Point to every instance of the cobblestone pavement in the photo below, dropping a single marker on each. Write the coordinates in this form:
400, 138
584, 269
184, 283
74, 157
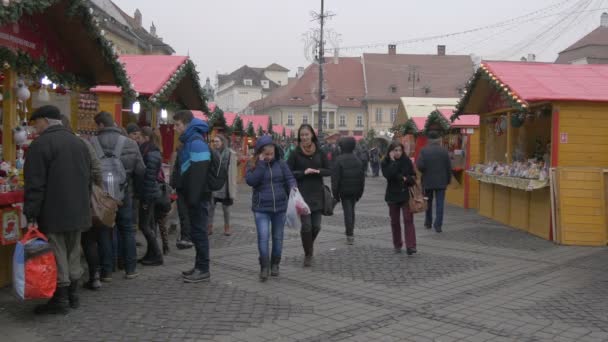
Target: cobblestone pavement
477, 281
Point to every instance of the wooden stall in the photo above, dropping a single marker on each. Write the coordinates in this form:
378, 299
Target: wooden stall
543, 148
49, 51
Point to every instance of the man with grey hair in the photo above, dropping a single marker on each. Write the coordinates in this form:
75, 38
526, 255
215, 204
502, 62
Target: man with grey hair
435, 166
57, 175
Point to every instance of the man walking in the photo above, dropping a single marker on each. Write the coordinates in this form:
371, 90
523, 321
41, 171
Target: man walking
194, 159
434, 164
57, 196
114, 143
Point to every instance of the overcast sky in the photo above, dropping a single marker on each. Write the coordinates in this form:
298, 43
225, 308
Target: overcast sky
223, 35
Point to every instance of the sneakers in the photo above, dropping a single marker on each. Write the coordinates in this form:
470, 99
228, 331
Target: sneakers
188, 272
147, 262
183, 244
197, 277
131, 275
106, 277
411, 251
350, 240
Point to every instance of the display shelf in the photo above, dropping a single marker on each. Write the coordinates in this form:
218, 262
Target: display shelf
510, 182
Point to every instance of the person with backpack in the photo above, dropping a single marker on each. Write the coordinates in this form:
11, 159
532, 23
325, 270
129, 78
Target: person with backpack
272, 182
348, 183
149, 193
121, 163
194, 178
57, 175
227, 194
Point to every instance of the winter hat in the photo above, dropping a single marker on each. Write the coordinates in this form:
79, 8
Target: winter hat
263, 142
132, 128
46, 112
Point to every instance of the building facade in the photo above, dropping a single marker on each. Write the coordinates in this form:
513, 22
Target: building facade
591, 49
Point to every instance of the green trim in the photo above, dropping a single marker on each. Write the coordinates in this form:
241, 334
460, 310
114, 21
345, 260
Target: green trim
187, 68
436, 118
409, 127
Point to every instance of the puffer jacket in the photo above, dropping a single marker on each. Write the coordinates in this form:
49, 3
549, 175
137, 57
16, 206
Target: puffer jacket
311, 186
148, 186
194, 160
397, 189
271, 182
348, 177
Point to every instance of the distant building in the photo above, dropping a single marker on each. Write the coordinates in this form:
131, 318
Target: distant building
126, 32
591, 49
391, 76
209, 90
236, 90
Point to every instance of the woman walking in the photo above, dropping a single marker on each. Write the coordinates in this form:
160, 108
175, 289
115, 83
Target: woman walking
271, 181
227, 193
309, 165
399, 172
149, 195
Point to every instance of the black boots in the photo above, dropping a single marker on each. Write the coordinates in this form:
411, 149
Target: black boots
58, 305
264, 269
307, 240
73, 295
274, 266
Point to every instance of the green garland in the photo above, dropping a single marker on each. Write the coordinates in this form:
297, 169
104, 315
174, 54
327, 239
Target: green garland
77, 9
168, 105
436, 118
409, 127
250, 130
217, 118
188, 68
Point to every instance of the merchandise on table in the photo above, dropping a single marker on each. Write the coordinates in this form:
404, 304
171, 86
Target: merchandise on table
532, 169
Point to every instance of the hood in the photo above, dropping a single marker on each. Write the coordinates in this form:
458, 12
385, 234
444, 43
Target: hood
196, 127
263, 141
347, 144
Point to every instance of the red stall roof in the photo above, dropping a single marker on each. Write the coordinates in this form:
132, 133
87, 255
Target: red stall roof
535, 82
469, 120
420, 122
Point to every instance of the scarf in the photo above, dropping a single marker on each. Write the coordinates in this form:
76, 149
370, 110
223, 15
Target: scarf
310, 150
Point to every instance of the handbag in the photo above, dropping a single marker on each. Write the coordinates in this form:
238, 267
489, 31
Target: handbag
104, 208
418, 203
329, 203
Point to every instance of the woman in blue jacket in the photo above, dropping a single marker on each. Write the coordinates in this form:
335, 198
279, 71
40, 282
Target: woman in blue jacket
271, 181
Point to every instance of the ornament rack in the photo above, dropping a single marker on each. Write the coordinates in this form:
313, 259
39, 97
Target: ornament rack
88, 107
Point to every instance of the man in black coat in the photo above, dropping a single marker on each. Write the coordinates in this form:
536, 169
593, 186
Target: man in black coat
348, 183
434, 164
57, 196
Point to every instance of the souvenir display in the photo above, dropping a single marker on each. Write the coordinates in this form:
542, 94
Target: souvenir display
531, 169
88, 107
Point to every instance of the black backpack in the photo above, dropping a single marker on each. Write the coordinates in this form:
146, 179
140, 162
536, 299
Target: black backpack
218, 171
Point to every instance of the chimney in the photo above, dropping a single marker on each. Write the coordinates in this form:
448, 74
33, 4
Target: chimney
153, 30
300, 72
336, 56
604, 20
531, 57
137, 17
440, 50
392, 49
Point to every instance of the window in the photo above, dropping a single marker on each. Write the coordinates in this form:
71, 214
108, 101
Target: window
393, 89
393, 114
305, 119
359, 120
378, 114
265, 84
342, 120
248, 82
289, 119
324, 118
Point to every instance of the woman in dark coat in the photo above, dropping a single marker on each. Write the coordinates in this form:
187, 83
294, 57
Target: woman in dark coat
149, 194
309, 165
399, 172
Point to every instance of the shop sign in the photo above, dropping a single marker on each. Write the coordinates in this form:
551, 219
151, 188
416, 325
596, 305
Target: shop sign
563, 138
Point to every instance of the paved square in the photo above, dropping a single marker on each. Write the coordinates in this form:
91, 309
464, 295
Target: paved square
477, 281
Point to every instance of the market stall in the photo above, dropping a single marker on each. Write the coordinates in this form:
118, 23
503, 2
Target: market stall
49, 51
543, 148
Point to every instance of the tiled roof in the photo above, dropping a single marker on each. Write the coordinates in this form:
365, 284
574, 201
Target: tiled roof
276, 67
599, 36
593, 46
256, 75
440, 76
343, 83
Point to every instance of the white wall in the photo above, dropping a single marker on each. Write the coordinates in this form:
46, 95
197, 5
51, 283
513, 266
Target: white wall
236, 99
278, 77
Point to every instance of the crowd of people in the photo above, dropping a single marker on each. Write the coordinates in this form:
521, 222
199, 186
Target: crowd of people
61, 170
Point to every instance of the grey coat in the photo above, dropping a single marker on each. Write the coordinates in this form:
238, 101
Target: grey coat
131, 156
434, 164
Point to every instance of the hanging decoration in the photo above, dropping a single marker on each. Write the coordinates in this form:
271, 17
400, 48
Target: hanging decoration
518, 119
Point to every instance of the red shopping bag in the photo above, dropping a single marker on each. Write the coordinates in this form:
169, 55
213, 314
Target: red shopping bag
34, 266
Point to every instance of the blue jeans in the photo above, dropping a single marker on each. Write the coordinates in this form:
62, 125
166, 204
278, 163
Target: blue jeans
263, 223
198, 216
126, 230
440, 197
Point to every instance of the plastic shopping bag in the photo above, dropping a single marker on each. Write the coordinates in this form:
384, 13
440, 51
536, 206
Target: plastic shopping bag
296, 207
34, 266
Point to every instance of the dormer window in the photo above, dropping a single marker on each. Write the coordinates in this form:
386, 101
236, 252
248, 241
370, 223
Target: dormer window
296, 98
393, 89
265, 84
351, 99
248, 82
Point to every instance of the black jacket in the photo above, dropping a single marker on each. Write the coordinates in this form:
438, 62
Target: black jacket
57, 174
435, 166
347, 177
149, 188
396, 187
311, 186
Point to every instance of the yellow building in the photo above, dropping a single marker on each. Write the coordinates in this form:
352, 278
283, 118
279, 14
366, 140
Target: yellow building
544, 144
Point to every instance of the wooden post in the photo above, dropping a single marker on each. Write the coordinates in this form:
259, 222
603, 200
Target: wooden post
9, 116
509, 139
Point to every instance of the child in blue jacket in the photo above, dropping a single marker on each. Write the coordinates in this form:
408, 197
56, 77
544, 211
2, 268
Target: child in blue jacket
272, 182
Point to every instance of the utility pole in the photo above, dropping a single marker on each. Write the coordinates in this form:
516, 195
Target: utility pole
321, 61
413, 76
